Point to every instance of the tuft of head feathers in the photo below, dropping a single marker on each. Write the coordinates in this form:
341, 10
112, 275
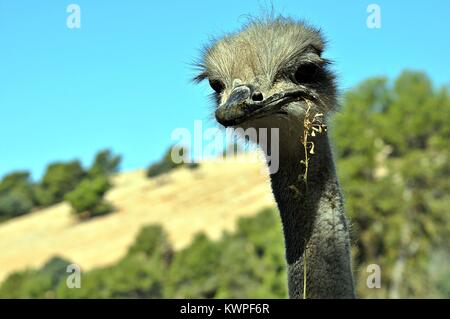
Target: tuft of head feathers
262, 47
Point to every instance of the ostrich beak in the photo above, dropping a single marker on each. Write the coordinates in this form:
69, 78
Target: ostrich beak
234, 108
240, 108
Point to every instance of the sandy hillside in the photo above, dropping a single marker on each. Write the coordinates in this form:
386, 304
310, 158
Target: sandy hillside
207, 199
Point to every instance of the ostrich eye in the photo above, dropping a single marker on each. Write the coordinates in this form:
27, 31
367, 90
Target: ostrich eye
217, 85
306, 73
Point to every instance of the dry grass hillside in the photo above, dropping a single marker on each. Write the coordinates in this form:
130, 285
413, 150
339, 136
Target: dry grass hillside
207, 199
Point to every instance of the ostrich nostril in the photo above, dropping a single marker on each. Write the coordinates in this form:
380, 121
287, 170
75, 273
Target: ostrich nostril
257, 96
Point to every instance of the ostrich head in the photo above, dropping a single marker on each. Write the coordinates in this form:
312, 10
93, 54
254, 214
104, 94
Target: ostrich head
264, 75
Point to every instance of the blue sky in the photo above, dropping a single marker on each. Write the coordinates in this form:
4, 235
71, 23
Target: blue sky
122, 81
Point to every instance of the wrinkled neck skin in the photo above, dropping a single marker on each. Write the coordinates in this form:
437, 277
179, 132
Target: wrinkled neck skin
313, 220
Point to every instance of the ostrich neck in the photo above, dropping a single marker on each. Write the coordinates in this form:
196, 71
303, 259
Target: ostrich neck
314, 224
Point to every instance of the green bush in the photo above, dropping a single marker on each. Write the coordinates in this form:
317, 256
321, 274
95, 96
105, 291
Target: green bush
43, 197
36, 283
87, 198
142, 273
105, 164
246, 264
151, 241
268, 247
14, 204
18, 182
392, 151
60, 179
22, 284
132, 277
17, 196
195, 269
240, 265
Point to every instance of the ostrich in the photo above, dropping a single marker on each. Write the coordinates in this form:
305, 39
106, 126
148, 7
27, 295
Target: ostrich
267, 76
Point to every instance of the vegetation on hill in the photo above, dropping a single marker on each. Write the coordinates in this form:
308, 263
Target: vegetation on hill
87, 197
59, 179
392, 146
17, 195
105, 164
246, 263
84, 189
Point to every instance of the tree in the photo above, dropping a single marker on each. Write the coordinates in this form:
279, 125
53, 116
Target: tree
87, 198
40, 283
14, 204
17, 195
193, 273
59, 179
246, 264
152, 240
105, 164
17, 181
392, 148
